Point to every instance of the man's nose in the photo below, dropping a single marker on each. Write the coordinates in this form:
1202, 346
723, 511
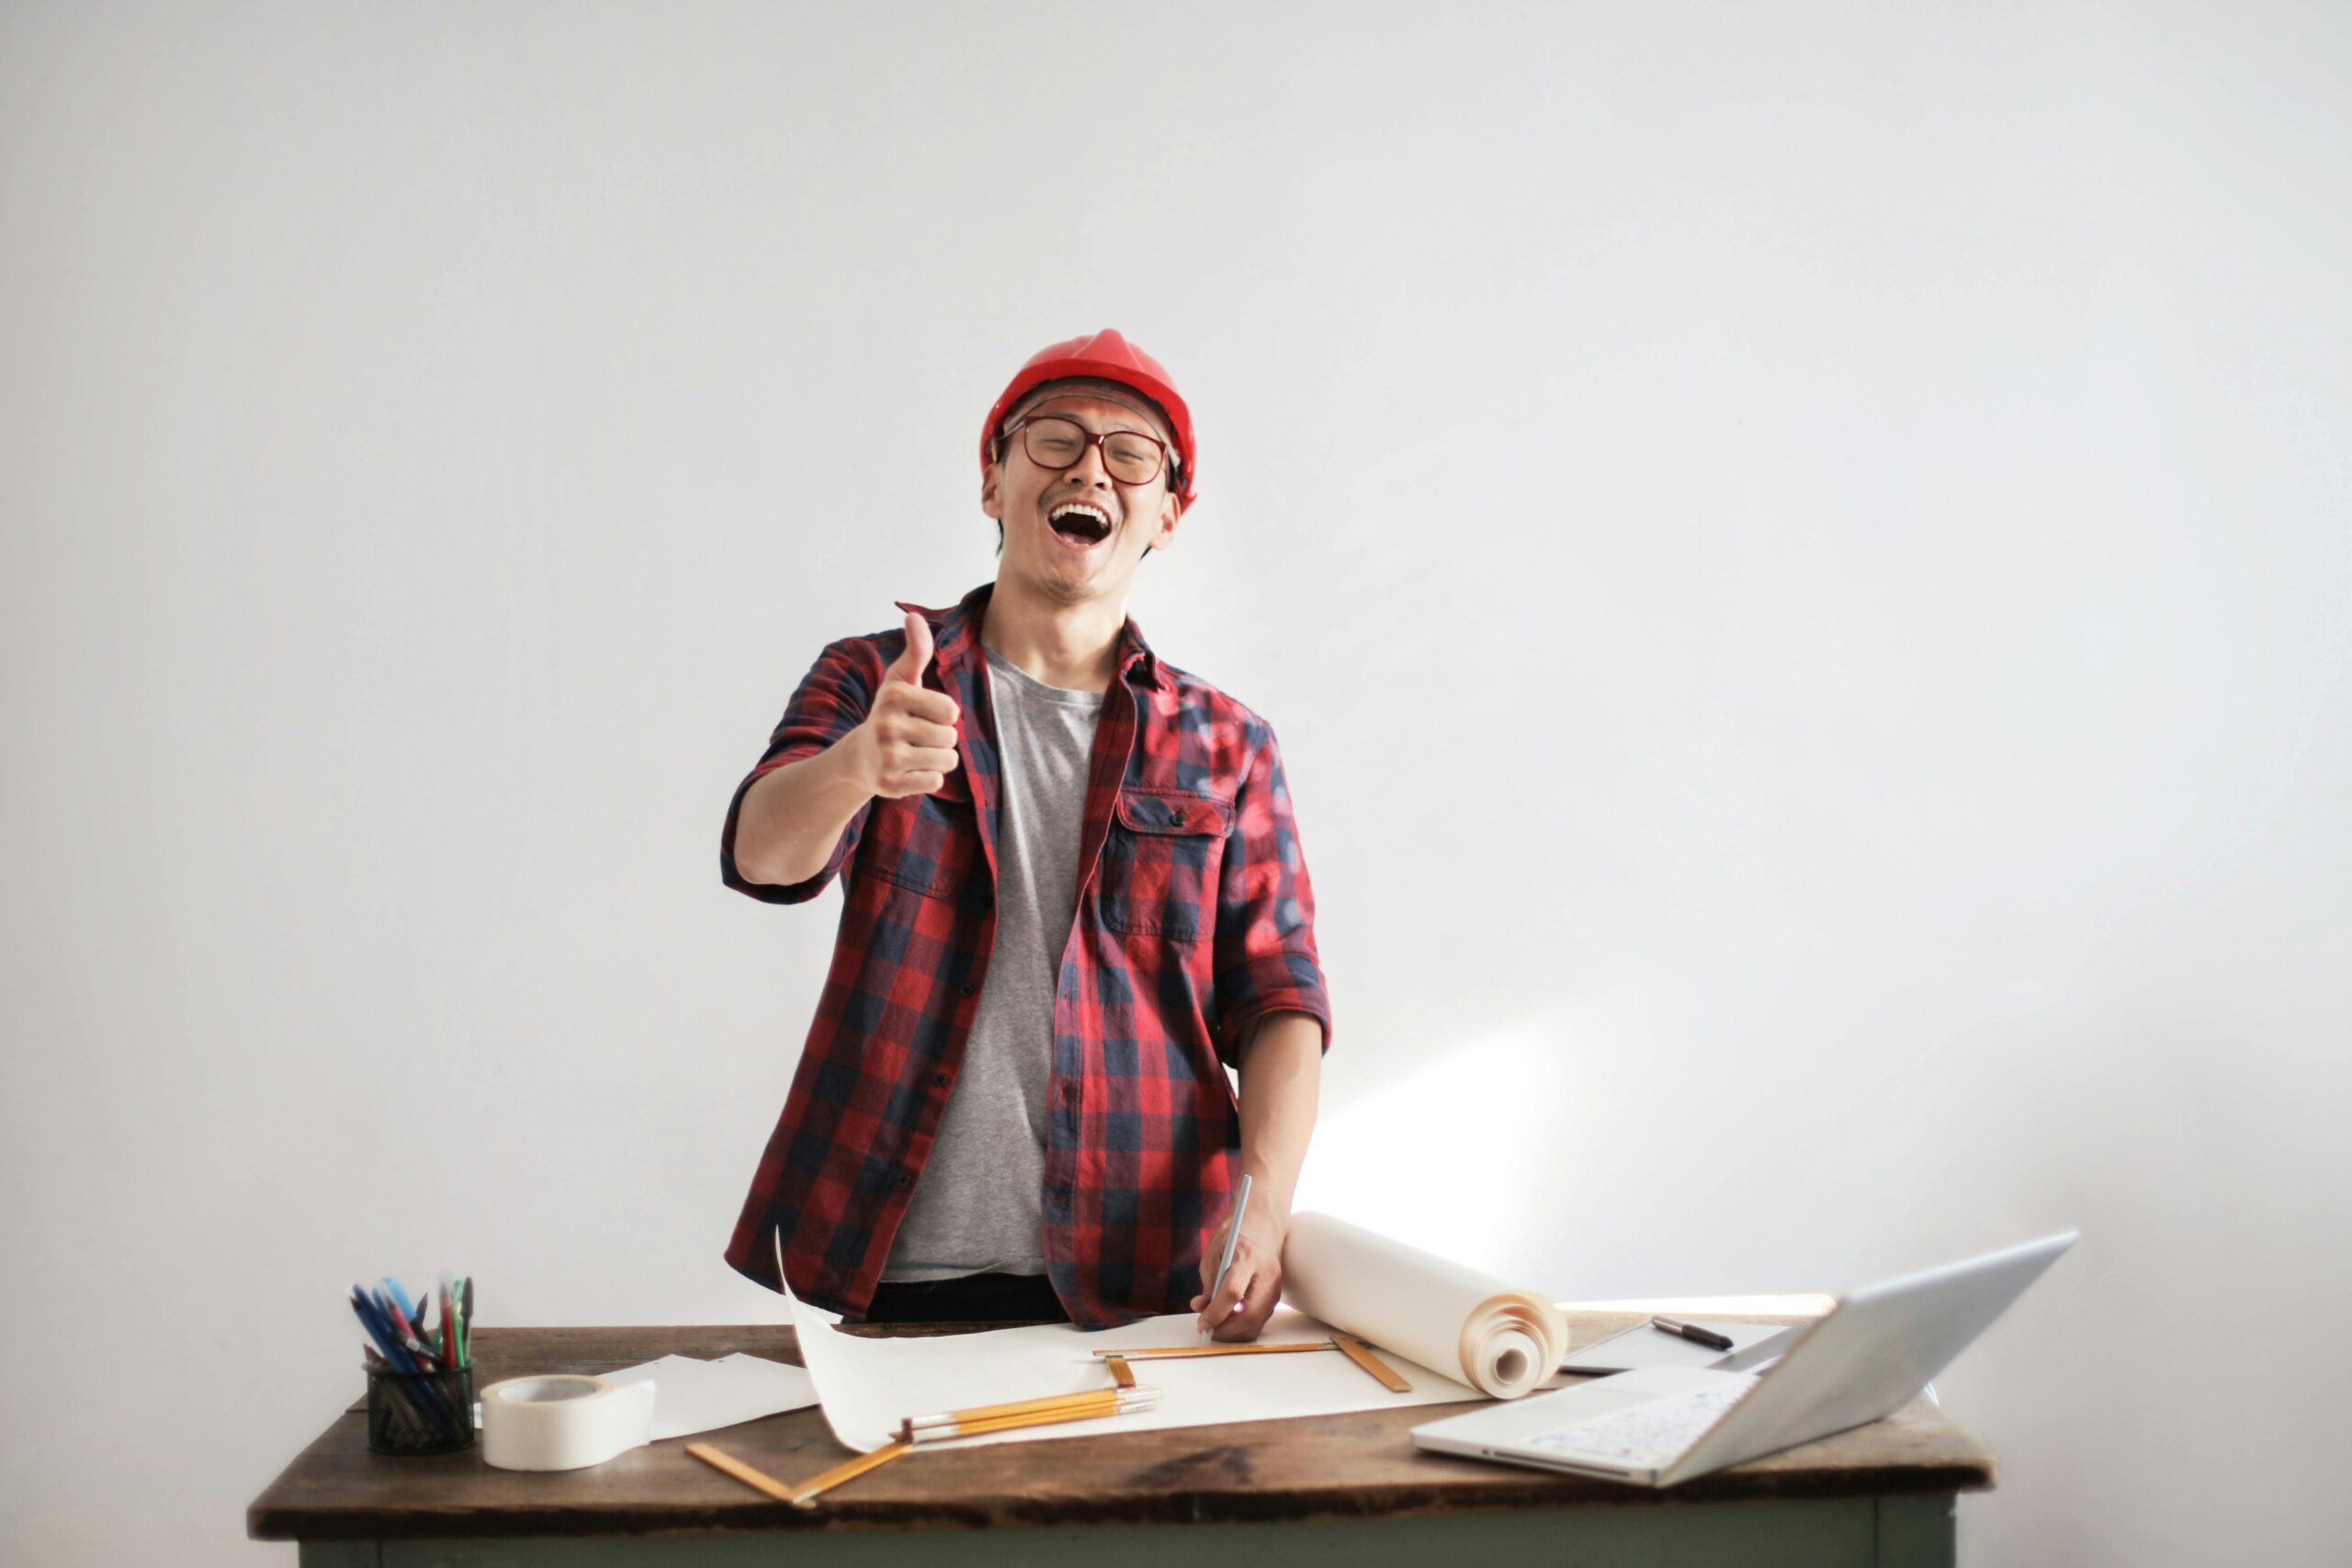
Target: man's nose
1088, 470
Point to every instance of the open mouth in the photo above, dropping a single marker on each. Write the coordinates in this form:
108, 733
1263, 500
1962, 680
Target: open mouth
1080, 523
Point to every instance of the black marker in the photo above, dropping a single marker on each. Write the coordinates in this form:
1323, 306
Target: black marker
1692, 1332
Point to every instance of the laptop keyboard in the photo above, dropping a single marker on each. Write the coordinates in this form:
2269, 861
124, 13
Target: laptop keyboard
1645, 1434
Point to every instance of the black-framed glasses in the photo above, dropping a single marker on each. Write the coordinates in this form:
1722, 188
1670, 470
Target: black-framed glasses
1128, 456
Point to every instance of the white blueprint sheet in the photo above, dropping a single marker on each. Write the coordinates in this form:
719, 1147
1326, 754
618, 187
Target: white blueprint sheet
869, 1386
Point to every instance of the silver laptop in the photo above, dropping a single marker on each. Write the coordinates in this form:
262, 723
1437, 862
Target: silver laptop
1657, 1425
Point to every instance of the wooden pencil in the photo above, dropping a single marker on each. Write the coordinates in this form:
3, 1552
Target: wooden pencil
1179, 1353
758, 1480
1356, 1351
1112, 1401
1015, 1408
1069, 1407
805, 1496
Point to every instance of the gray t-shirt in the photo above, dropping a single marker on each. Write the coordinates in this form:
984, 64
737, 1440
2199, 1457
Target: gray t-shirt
979, 1205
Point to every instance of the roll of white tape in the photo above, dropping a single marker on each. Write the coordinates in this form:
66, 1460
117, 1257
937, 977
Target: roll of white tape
563, 1421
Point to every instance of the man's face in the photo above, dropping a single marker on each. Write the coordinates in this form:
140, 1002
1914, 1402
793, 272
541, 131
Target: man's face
1049, 540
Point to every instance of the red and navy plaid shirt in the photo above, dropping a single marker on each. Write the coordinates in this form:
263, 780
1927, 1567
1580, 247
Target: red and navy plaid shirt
1194, 918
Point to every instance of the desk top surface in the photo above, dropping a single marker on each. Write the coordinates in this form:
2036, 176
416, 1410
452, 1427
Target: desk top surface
1358, 1465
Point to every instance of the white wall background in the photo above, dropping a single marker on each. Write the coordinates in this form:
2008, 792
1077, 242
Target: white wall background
1799, 555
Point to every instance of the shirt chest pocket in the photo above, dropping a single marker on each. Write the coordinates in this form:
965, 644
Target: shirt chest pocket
1159, 863
922, 841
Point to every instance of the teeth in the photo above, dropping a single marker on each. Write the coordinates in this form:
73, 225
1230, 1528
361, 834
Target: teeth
1082, 510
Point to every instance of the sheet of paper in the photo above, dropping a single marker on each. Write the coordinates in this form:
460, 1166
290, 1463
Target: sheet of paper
870, 1385
1643, 1345
692, 1395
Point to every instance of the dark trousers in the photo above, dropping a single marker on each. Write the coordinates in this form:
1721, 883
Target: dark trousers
973, 1298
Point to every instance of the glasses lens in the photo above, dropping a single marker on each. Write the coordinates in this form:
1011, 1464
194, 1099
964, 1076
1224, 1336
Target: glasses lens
1132, 459
1055, 443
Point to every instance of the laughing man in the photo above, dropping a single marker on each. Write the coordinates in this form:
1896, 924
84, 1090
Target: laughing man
1074, 896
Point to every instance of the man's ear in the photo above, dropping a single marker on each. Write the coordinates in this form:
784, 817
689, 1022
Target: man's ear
1171, 512
989, 505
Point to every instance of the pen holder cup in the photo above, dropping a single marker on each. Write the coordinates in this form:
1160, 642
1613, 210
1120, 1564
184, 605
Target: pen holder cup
420, 1413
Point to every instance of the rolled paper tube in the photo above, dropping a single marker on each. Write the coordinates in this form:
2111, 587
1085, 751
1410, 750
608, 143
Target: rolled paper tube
1501, 1339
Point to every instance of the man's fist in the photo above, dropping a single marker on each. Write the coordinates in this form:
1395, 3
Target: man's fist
909, 738
1253, 1287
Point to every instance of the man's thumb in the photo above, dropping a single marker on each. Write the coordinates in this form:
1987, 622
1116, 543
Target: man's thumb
911, 664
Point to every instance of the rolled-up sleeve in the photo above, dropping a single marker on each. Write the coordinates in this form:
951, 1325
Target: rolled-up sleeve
1265, 956
831, 700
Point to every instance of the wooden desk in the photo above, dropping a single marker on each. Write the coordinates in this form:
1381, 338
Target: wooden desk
1325, 1490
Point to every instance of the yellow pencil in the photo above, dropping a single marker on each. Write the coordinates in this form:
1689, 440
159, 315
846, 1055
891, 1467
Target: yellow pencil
1015, 1407
1111, 1401
758, 1480
1179, 1353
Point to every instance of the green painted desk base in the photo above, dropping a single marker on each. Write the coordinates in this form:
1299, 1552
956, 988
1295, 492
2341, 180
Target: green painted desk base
1852, 1532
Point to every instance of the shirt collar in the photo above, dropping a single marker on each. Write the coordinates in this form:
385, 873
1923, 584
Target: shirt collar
955, 637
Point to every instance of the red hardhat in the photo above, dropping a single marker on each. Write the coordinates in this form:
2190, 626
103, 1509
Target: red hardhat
1106, 356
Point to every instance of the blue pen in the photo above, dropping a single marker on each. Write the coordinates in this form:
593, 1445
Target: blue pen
414, 1318
385, 1314
400, 1298
409, 1326
386, 1341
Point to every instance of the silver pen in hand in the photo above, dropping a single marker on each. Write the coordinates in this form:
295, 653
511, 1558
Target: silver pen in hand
1232, 1234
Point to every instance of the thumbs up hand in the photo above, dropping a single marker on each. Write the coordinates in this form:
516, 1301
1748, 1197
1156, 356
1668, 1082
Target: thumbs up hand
912, 663
906, 743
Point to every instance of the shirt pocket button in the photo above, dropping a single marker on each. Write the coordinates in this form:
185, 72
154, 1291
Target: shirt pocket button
965, 990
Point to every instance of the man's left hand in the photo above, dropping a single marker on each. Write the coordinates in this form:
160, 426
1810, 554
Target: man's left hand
1253, 1285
